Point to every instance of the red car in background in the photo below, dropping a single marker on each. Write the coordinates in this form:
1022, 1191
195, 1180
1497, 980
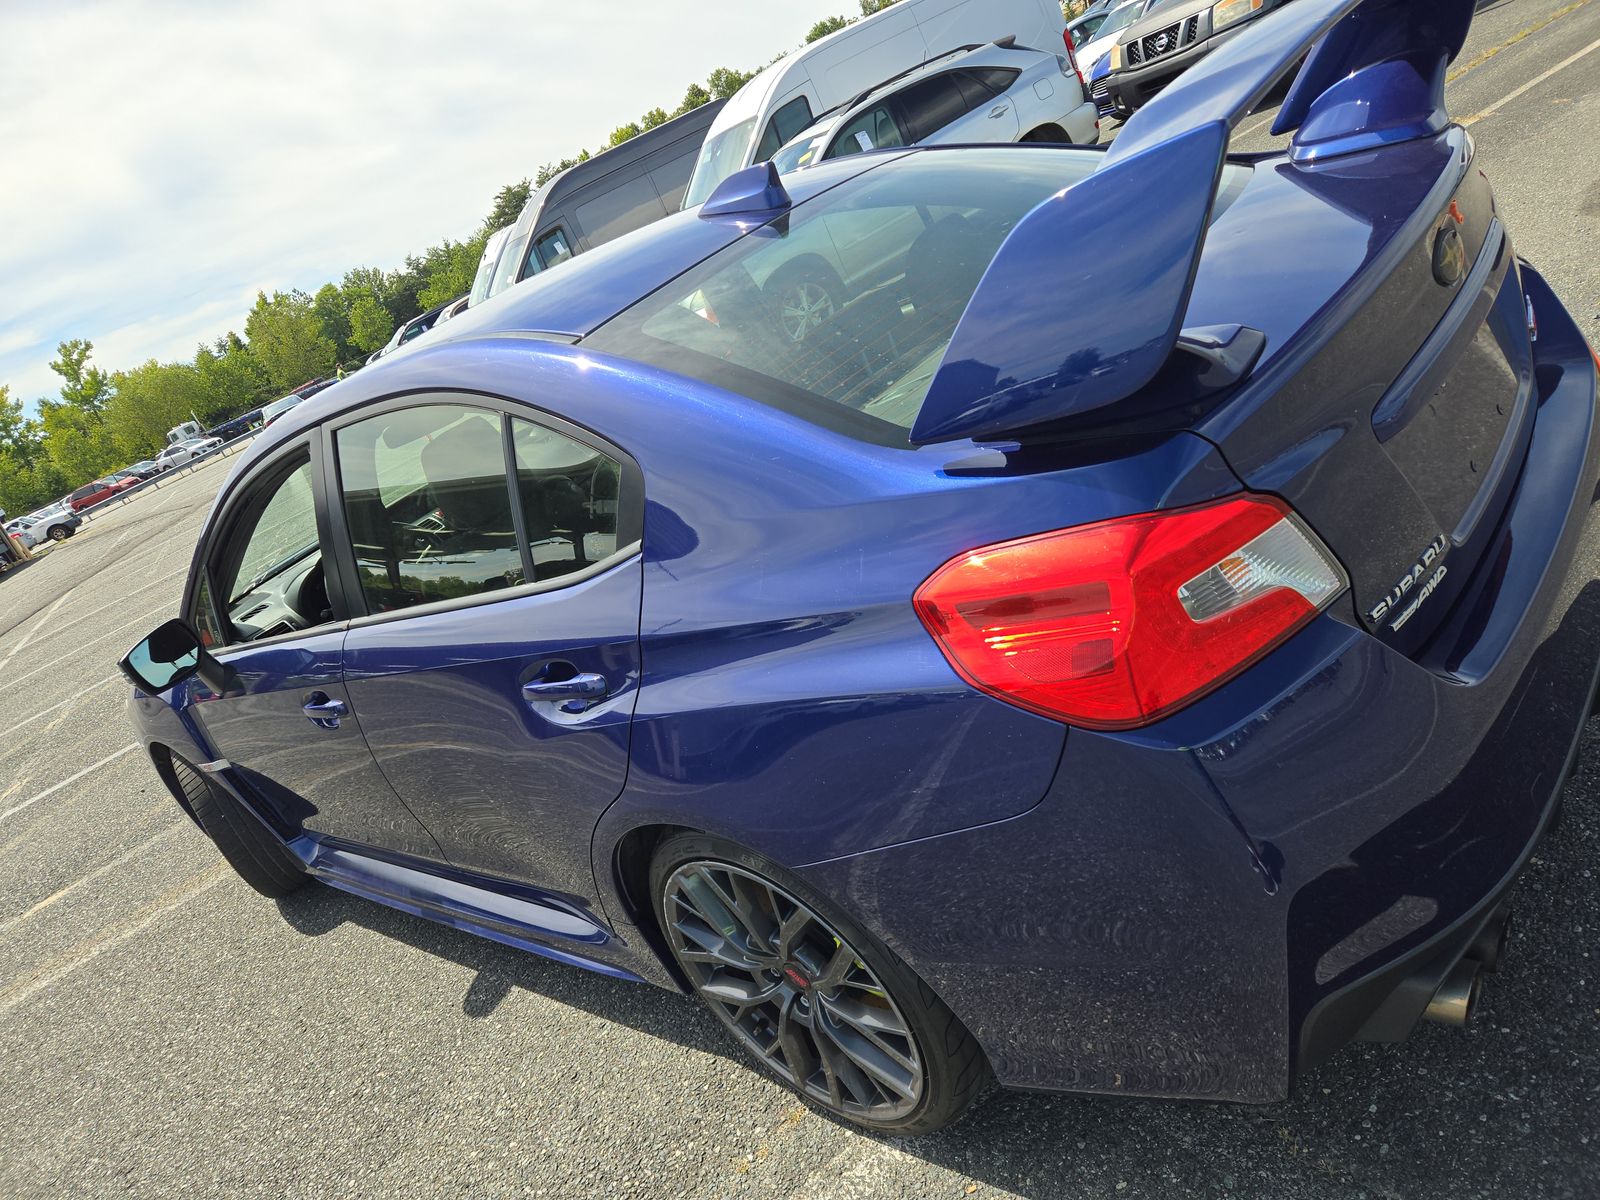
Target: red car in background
101, 489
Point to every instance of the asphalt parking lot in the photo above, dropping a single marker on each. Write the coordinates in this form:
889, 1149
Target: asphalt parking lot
165, 1031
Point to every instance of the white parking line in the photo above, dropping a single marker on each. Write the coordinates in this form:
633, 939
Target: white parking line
63, 893
28, 637
54, 788
1531, 84
117, 633
45, 712
61, 967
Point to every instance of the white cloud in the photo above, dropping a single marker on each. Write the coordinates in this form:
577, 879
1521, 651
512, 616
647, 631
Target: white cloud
166, 158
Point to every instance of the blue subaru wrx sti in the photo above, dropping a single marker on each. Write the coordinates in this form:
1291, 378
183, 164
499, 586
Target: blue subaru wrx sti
1142, 677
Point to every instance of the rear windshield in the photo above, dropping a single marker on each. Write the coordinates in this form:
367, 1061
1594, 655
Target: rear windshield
842, 312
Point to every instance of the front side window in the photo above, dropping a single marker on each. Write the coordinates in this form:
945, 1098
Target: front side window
269, 571
548, 250
870, 130
786, 122
427, 499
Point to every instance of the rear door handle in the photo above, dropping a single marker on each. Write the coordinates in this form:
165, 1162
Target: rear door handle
998, 111
323, 711
586, 686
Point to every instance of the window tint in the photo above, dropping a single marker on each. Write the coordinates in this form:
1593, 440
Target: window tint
269, 572
547, 251
428, 501
931, 105
869, 130
785, 124
620, 209
571, 498
997, 80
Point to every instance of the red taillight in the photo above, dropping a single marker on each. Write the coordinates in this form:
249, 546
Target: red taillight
1072, 57
1115, 625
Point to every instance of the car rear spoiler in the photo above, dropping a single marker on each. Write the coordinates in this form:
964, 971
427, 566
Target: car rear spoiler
1026, 356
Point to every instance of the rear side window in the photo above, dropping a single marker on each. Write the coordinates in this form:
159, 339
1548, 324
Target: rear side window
788, 121
996, 80
932, 104
620, 209
428, 503
842, 312
577, 504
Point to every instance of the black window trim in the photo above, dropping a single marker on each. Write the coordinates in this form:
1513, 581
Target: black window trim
525, 271
343, 550
270, 472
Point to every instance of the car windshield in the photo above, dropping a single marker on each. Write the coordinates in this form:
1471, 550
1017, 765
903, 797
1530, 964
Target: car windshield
720, 157
801, 152
1120, 20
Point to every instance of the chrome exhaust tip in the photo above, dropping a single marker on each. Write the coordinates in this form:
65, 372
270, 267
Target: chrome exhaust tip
1457, 997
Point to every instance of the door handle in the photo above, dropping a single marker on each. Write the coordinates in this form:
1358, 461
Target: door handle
585, 686
998, 111
323, 711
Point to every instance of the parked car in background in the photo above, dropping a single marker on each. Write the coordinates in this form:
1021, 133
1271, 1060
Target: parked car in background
492, 247
237, 427
793, 92
993, 93
271, 412
54, 524
138, 471
409, 331
1171, 37
184, 453
1094, 56
454, 309
91, 494
603, 198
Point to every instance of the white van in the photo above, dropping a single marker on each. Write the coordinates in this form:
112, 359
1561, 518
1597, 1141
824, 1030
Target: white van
791, 93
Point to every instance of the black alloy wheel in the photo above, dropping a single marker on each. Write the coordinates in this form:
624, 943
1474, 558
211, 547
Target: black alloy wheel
830, 1013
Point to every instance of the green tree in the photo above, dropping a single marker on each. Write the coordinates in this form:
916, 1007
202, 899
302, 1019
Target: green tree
76, 441
824, 27
868, 7
370, 323
725, 81
232, 382
450, 272
287, 340
656, 116
693, 98
333, 316
622, 133
508, 205
151, 399
550, 170
83, 386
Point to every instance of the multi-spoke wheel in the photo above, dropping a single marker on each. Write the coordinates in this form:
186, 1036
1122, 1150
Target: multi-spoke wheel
804, 296
819, 1003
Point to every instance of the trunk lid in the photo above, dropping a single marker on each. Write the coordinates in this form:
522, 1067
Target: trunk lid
1393, 407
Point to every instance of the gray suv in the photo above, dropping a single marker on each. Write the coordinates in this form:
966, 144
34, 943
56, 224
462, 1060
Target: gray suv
1169, 39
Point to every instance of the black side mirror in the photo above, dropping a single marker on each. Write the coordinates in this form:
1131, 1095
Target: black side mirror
171, 654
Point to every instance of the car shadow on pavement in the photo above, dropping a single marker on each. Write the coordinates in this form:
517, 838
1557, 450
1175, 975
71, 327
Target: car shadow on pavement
500, 970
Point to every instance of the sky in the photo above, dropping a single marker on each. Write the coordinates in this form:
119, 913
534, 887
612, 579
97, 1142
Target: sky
161, 161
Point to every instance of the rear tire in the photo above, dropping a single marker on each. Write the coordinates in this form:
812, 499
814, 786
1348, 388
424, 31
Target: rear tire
820, 1003
59, 533
1053, 134
259, 858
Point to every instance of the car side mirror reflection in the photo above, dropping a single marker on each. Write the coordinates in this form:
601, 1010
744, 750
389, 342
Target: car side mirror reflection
172, 653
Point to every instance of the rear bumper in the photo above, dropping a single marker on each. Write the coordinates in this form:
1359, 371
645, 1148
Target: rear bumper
1205, 907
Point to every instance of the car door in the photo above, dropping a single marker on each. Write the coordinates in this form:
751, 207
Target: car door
284, 722
496, 663
955, 107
